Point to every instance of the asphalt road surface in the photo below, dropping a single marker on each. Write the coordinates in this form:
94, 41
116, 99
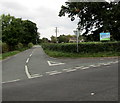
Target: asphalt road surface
34, 76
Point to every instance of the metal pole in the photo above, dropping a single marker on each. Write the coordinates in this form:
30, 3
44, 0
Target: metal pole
77, 41
56, 34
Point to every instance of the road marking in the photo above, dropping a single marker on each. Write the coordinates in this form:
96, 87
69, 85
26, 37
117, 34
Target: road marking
92, 65
92, 93
106, 64
27, 60
36, 76
79, 67
51, 72
85, 68
27, 72
55, 73
71, 70
30, 55
101, 63
51, 63
65, 69
11, 81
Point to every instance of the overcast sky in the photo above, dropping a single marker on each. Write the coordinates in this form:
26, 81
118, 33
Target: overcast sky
42, 12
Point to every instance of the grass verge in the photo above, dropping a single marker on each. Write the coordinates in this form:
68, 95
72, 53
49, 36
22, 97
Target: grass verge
11, 53
77, 55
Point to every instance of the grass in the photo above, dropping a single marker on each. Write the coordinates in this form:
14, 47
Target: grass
8, 54
77, 55
11, 53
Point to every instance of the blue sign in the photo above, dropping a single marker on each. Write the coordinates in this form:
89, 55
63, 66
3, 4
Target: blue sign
104, 36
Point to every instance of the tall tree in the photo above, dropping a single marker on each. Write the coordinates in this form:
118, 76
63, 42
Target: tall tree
94, 16
16, 30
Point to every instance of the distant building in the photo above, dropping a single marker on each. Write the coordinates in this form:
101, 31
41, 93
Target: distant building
74, 40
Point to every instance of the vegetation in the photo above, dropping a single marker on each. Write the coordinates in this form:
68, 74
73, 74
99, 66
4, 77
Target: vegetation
30, 45
88, 47
77, 55
16, 30
95, 17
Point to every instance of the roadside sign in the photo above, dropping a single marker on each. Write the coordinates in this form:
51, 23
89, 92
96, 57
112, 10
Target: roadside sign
104, 36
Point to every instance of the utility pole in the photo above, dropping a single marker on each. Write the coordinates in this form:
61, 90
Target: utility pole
56, 31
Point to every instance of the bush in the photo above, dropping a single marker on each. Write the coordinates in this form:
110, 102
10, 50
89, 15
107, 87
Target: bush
0, 47
5, 48
84, 47
20, 46
30, 45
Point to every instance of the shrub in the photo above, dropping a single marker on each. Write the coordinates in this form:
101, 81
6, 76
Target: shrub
84, 47
5, 48
0, 47
20, 46
30, 45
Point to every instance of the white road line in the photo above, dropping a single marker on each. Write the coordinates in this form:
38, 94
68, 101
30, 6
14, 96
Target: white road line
36, 76
106, 64
92, 93
66, 69
27, 60
92, 65
30, 55
54, 63
55, 73
79, 67
11, 81
71, 70
101, 63
27, 72
85, 68
51, 72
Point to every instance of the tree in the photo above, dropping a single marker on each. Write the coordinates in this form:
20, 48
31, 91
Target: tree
95, 15
45, 40
63, 38
53, 39
30, 33
16, 30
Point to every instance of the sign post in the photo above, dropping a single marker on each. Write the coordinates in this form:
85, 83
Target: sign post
77, 34
105, 36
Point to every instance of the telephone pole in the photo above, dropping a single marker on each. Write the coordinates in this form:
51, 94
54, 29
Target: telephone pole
56, 31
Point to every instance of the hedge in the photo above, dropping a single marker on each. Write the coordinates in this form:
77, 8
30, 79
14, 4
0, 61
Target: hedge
84, 47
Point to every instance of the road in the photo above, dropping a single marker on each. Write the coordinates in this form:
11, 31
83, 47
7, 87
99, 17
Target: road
34, 76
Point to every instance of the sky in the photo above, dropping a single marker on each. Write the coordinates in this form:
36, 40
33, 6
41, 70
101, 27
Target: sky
42, 12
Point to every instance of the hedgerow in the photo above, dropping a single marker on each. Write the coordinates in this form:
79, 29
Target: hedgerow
84, 47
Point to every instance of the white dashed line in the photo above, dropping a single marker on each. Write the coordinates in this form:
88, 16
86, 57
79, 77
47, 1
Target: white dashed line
92, 65
11, 81
79, 67
71, 70
55, 73
27, 60
27, 72
51, 72
30, 55
92, 93
84, 68
36, 76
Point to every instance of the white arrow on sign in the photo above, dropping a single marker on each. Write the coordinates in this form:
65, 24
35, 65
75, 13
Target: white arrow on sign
51, 63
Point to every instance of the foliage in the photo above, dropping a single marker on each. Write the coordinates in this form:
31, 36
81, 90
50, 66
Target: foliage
16, 30
20, 46
30, 45
92, 47
63, 39
95, 16
44, 40
53, 39
5, 48
76, 55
